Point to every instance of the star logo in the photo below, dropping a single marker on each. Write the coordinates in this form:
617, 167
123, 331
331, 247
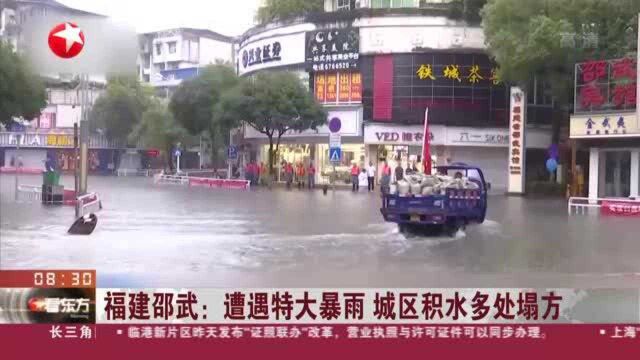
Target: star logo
66, 40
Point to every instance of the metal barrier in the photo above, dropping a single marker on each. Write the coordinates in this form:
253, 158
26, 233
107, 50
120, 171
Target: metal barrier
137, 172
581, 205
87, 204
29, 193
201, 181
171, 179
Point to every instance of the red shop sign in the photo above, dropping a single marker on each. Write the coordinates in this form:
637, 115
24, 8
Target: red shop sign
620, 208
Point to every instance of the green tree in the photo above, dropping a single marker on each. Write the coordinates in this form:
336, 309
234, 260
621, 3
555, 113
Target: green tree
534, 38
272, 103
22, 93
158, 129
283, 9
193, 102
118, 111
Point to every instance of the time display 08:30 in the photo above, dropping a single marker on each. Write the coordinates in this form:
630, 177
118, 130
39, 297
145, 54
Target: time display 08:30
64, 279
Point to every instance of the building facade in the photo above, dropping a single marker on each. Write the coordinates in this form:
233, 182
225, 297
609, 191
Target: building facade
606, 126
377, 71
27, 142
170, 56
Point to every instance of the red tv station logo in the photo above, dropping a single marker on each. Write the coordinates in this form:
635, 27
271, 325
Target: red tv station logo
66, 40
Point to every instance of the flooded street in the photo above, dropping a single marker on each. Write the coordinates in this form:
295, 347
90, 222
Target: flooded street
164, 236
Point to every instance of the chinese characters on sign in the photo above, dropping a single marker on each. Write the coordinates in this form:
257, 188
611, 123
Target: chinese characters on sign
516, 146
162, 304
390, 305
83, 332
341, 87
302, 306
59, 140
339, 332
328, 50
606, 85
261, 54
621, 208
453, 72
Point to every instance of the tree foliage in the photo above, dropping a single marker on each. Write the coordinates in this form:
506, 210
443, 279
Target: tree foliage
272, 103
158, 129
282, 9
118, 111
535, 38
193, 102
22, 93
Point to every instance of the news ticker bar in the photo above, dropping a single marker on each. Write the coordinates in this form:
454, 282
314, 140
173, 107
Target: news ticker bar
317, 306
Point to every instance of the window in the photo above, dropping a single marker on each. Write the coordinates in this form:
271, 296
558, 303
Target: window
172, 47
343, 5
172, 65
386, 4
159, 49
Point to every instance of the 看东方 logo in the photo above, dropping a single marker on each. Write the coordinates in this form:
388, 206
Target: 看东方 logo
66, 40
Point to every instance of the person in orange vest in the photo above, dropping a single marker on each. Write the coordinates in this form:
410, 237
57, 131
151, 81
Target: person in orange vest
300, 175
355, 171
385, 180
288, 171
262, 173
311, 173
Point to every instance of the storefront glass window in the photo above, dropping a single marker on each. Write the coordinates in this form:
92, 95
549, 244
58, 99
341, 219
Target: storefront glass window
291, 153
350, 153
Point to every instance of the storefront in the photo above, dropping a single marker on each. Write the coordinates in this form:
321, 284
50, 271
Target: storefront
313, 145
485, 148
30, 150
614, 153
606, 125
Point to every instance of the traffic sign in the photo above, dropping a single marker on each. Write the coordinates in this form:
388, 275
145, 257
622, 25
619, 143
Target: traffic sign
232, 153
177, 153
335, 141
335, 124
335, 154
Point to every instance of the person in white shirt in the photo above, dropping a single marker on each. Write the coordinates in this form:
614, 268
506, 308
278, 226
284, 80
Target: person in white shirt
371, 175
363, 180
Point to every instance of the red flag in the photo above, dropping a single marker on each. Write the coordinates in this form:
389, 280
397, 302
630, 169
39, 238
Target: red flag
426, 151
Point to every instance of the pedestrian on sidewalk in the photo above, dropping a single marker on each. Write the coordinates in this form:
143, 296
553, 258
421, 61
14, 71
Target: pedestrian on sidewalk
354, 177
262, 173
371, 174
288, 174
311, 173
385, 180
363, 180
300, 175
248, 173
399, 172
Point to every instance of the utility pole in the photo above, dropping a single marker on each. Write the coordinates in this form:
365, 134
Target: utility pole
84, 133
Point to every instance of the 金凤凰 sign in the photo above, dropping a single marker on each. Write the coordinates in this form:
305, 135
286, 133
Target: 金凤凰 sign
336, 49
624, 124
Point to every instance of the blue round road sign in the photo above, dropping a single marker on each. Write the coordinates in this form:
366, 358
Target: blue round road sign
335, 124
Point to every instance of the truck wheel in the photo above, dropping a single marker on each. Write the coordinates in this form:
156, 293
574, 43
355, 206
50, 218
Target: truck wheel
402, 228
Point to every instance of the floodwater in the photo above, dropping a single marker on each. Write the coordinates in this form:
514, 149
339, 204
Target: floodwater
172, 236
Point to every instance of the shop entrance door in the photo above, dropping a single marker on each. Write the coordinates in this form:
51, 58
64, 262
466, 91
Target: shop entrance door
617, 174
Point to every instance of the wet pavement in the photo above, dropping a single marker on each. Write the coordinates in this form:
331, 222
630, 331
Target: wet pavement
170, 236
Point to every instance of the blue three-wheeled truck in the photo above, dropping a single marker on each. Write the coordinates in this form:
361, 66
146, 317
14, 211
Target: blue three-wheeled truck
450, 210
